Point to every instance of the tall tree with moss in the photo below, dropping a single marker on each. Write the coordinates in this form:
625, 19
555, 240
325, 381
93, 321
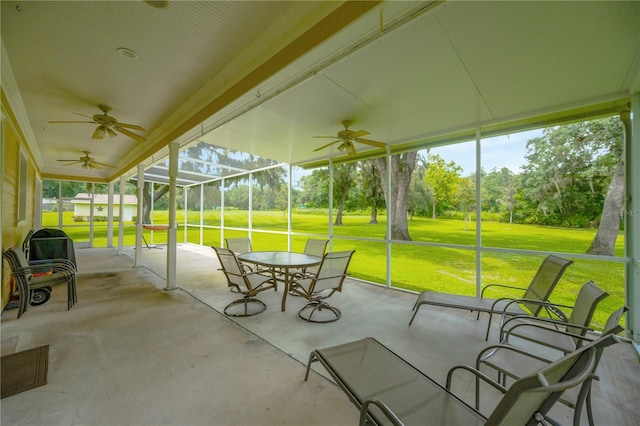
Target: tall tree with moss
402, 166
574, 176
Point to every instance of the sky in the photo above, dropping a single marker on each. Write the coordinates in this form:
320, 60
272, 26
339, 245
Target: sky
497, 152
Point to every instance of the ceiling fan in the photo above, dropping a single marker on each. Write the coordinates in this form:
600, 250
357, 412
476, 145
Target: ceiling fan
108, 125
87, 162
347, 137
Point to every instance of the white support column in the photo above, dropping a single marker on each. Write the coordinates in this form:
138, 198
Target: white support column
138, 253
174, 148
250, 218
121, 217
330, 204
92, 213
222, 212
632, 224
289, 206
389, 203
201, 213
185, 210
110, 214
478, 214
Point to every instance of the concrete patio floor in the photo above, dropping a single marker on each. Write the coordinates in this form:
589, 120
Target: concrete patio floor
131, 352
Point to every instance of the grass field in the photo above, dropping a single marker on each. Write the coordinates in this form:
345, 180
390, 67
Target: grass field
414, 267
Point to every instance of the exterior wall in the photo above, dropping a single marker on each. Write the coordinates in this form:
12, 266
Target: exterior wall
13, 233
81, 209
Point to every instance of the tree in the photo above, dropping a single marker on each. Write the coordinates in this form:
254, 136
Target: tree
500, 189
573, 172
605, 239
419, 194
315, 189
466, 197
159, 191
343, 177
370, 187
402, 166
442, 178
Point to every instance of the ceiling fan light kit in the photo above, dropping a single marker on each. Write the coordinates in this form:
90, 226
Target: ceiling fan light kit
347, 137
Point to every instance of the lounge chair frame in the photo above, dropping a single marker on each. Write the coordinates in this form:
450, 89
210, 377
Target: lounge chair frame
372, 375
539, 290
575, 400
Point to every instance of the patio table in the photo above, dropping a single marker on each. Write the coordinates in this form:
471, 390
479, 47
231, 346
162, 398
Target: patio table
283, 260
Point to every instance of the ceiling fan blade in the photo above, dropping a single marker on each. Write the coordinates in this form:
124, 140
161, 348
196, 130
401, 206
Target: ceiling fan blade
370, 142
104, 164
327, 137
130, 134
71, 164
327, 145
359, 133
131, 126
83, 115
66, 122
93, 165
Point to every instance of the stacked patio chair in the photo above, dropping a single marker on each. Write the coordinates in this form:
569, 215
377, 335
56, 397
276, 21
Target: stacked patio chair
39, 276
511, 362
247, 283
539, 289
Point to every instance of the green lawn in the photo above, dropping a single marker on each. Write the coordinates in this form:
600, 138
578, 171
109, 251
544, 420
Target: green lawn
413, 267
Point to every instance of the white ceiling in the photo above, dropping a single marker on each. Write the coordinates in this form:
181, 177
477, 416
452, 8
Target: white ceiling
431, 74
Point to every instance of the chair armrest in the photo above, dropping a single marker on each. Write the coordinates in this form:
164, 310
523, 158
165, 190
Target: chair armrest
477, 373
383, 407
494, 348
549, 306
58, 263
543, 324
501, 286
34, 269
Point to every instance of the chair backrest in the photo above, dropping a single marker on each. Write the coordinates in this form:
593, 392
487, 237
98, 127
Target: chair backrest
239, 245
18, 257
332, 271
540, 390
584, 308
231, 267
315, 248
612, 326
544, 281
